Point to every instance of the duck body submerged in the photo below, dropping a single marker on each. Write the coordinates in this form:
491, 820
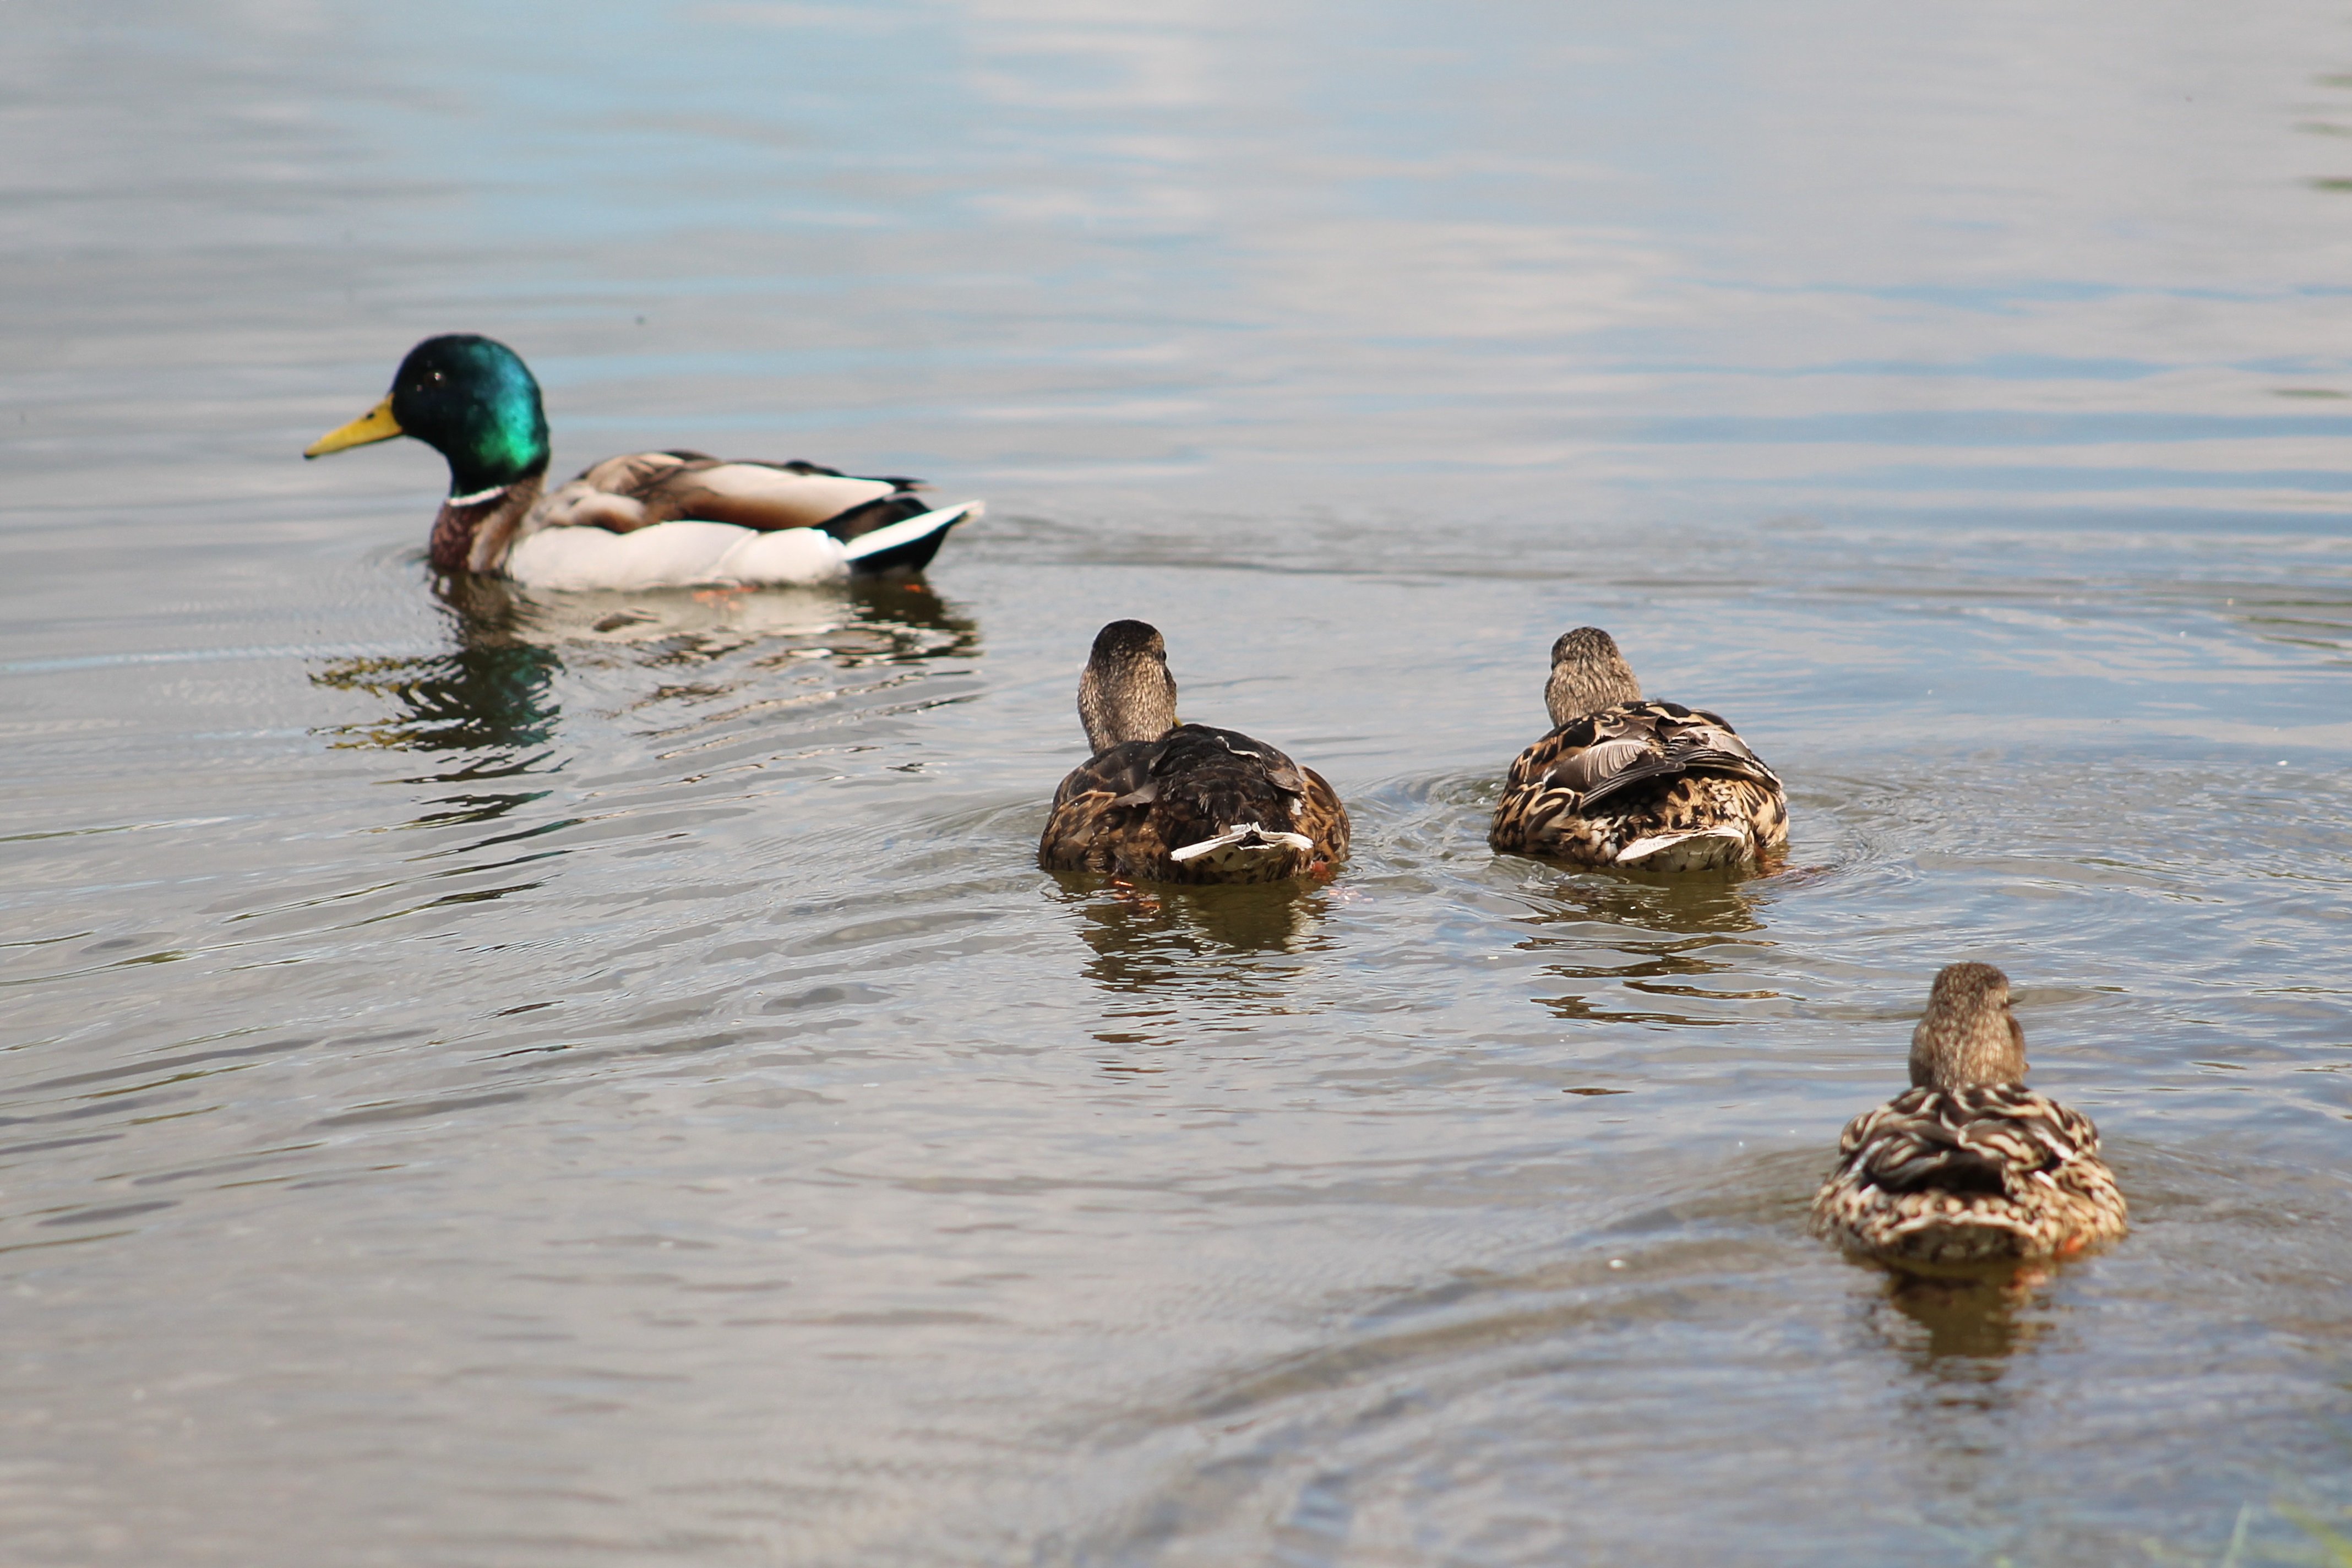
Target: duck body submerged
647, 519
1969, 1166
1164, 802
1634, 784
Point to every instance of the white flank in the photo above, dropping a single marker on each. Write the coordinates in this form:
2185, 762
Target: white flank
678, 555
1707, 850
787, 558
1245, 836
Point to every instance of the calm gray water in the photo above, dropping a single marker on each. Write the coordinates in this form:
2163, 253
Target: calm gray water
518, 1083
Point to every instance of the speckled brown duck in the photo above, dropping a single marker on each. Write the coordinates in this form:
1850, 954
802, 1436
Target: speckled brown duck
1167, 802
1970, 1165
1625, 782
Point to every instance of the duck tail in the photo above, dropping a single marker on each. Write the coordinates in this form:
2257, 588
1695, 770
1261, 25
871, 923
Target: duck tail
1704, 849
908, 545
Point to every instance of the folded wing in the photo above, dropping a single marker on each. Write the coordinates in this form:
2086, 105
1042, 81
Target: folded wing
1603, 753
644, 489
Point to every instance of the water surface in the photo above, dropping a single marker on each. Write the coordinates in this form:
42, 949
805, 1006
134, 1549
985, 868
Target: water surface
498, 1080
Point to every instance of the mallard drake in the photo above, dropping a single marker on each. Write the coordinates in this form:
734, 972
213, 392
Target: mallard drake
1969, 1166
648, 519
1653, 786
1165, 802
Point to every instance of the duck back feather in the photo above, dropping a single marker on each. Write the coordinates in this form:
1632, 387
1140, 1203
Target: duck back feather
1196, 805
1979, 1175
1643, 785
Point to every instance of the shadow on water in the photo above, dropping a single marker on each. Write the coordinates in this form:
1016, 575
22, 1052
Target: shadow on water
1658, 938
1166, 953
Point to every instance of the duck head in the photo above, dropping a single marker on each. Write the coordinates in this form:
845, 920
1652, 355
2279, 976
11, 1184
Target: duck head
1587, 674
1969, 1038
469, 398
1127, 693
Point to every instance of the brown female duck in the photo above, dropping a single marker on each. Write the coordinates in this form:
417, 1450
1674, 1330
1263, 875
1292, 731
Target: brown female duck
1165, 802
1652, 786
1969, 1166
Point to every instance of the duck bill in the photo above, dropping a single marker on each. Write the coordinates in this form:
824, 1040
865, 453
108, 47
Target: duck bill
376, 424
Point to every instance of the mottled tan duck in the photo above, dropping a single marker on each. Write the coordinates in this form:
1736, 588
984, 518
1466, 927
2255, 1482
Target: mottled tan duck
1970, 1165
1166, 802
1643, 785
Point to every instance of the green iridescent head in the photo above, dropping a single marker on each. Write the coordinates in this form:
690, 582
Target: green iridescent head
469, 398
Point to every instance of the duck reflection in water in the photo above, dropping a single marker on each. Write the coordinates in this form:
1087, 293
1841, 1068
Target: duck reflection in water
488, 705
898, 619
1952, 1339
1660, 937
1961, 1326
1181, 949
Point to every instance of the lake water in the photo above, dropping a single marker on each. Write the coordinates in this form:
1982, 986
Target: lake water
517, 1082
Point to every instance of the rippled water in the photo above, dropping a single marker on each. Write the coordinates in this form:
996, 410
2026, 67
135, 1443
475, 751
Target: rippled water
496, 1080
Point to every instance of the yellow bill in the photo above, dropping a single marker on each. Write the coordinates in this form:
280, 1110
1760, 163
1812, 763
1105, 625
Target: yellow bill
376, 424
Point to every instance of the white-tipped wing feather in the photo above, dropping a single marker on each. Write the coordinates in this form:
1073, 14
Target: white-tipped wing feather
1707, 850
913, 531
1246, 836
